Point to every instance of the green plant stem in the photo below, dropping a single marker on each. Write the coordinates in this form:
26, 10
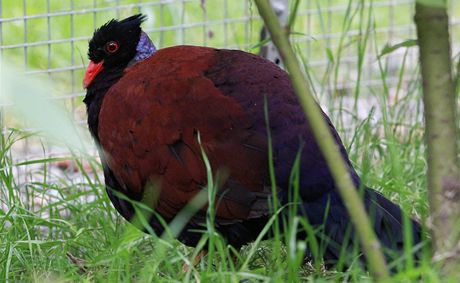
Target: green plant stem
349, 193
441, 133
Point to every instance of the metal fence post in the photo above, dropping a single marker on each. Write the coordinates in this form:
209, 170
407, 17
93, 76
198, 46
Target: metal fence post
269, 51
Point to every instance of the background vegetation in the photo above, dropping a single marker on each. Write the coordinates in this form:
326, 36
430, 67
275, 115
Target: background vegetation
59, 225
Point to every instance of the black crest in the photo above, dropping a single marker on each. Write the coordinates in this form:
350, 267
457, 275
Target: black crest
125, 33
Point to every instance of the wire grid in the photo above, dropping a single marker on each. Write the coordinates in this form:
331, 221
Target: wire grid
49, 37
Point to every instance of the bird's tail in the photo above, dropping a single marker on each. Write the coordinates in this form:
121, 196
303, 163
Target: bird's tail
335, 235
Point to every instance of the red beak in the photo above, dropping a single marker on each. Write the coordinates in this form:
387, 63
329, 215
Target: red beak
91, 72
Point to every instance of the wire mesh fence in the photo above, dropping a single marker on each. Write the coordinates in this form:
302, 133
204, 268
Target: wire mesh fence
339, 41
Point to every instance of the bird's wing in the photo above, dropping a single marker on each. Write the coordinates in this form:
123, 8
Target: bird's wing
149, 126
260, 86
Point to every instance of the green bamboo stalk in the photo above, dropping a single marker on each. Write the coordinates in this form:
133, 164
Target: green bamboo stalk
441, 132
329, 148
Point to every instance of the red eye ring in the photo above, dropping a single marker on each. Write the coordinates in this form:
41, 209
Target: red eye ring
111, 47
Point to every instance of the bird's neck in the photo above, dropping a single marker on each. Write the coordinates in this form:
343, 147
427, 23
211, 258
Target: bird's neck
144, 49
95, 95
108, 77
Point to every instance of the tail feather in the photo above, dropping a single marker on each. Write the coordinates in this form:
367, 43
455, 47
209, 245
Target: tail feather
330, 213
389, 224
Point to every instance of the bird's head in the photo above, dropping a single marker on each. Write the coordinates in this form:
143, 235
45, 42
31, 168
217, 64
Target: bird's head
117, 44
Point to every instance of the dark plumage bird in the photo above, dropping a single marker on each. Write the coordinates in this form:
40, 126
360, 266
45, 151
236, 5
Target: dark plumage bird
147, 107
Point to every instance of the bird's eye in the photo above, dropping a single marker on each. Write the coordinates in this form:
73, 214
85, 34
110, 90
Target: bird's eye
111, 47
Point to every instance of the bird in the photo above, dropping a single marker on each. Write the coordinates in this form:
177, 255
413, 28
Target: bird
159, 116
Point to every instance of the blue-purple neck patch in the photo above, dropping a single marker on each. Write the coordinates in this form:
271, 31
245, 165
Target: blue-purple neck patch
145, 48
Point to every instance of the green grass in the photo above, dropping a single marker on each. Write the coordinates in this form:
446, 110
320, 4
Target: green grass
37, 243
38, 240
